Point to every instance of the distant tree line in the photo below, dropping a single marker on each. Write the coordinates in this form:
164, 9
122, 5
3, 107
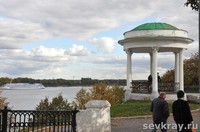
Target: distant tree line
62, 82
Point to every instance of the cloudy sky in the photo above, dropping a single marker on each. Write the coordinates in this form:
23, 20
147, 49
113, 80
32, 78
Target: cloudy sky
71, 39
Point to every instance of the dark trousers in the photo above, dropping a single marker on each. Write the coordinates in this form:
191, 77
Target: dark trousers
160, 125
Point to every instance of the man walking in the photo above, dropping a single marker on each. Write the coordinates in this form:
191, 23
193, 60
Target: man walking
160, 109
181, 113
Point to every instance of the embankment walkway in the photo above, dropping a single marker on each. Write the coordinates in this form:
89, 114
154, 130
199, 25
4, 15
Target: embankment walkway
139, 124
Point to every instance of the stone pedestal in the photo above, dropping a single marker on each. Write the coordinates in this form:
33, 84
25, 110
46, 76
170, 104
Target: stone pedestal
96, 117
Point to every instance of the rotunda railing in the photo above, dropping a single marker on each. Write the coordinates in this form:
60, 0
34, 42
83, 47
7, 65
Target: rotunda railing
146, 87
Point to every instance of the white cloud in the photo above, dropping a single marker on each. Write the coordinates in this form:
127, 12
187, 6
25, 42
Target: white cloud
13, 33
48, 52
73, 18
104, 44
16, 62
77, 50
192, 49
34, 21
39, 20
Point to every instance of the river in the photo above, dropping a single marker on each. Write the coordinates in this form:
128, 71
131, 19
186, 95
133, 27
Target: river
27, 99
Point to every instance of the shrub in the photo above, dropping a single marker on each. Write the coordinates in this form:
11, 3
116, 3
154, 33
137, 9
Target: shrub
82, 97
3, 101
57, 103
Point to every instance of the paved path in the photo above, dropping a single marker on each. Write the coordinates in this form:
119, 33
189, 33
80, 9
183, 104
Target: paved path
138, 124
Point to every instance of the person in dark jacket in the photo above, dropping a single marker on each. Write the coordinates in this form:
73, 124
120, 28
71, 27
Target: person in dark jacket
160, 109
181, 113
159, 79
149, 83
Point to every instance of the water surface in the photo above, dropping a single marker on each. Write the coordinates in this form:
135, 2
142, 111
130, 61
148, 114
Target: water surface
27, 99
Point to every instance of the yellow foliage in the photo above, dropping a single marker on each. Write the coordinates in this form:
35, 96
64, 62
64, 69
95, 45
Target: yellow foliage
82, 97
113, 94
3, 102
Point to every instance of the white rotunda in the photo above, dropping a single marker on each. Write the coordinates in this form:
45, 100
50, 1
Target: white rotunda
153, 38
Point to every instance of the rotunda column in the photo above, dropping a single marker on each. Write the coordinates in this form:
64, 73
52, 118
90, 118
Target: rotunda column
129, 69
151, 62
176, 72
154, 93
181, 72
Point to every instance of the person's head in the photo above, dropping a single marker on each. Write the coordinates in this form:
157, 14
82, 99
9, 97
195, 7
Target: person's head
162, 95
180, 94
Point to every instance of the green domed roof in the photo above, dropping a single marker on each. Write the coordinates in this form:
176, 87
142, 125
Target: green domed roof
155, 26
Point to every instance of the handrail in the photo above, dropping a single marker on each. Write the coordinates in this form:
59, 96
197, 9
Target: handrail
36, 120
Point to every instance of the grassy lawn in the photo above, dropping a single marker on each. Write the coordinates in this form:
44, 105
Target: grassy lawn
139, 108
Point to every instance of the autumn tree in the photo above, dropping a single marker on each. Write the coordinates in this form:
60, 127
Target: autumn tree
113, 94
117, 95
100, 91
168, 76
3, 101
191, 72
82, 97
